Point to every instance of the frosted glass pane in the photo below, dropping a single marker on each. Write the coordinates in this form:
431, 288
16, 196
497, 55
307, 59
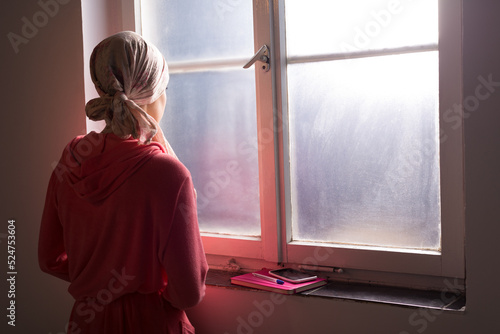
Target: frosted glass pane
337, 26
210, 120
365, 151
192, 30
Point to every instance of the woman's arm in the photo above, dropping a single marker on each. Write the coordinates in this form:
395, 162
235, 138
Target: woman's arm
183, 256
52, 256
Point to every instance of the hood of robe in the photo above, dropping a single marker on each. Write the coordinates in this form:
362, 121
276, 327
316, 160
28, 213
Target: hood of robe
97, 164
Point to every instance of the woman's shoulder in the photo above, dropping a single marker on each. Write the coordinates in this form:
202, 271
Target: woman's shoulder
166, 160
89, 140
163, 171
167, 164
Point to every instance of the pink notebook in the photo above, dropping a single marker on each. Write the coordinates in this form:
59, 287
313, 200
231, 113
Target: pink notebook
249, 280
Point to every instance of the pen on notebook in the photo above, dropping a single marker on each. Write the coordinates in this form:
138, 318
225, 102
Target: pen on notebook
267, 278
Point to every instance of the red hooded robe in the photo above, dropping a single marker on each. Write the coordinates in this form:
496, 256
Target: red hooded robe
120, 225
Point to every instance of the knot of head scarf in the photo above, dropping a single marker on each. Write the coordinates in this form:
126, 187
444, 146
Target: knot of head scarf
128, 73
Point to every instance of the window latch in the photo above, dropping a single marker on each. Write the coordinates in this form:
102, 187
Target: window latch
263, 56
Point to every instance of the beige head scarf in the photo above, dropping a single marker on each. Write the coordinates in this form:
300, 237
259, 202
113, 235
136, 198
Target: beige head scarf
127, 72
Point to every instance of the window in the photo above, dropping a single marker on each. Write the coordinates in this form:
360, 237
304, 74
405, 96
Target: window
363, 124
338, 156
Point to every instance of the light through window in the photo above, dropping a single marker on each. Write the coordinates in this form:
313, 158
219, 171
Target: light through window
364, 138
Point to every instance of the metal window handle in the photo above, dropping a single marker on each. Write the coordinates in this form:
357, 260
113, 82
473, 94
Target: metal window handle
263, 56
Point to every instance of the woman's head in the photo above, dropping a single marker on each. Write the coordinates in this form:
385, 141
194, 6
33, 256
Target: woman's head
128, 72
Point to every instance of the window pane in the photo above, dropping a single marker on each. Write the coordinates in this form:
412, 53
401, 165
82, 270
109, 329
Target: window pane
193, 30
365, 151
210, 121
337, 26
210, 117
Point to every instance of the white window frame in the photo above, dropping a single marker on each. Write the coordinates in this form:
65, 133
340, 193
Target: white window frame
449, 262
274, 246
265, 248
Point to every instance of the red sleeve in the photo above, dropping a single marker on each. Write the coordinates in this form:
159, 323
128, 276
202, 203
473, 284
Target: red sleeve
181, 252
52, 256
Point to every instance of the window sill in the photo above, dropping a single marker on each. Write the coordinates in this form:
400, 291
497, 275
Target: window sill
362, 292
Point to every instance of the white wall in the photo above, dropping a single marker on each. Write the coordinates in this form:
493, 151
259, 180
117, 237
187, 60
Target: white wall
42, 102
42, 108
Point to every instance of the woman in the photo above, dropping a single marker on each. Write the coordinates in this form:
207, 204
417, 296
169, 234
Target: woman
120, 220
